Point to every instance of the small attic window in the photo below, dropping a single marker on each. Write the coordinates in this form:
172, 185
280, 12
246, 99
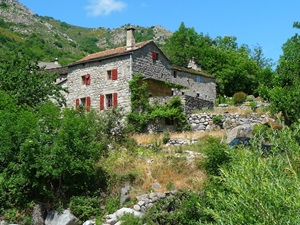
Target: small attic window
174, 74
198, 79
154, 56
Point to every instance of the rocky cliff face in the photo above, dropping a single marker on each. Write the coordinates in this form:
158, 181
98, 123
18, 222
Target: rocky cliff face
26, 22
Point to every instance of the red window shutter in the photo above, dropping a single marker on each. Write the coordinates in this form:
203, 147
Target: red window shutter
88, 79
115, 100
114, 74
154, 56
88, 104
77, 103
101, 102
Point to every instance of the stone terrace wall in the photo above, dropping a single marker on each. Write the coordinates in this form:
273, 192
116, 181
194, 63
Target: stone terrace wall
204, 121
190, 103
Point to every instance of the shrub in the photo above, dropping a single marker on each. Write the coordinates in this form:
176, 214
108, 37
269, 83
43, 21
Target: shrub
250, 98
84, 207
179, 209
216, 155
252, 189
218, 120
166, 136
112, 204
239, 97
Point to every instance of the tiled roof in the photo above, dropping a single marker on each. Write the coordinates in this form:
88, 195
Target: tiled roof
112, 52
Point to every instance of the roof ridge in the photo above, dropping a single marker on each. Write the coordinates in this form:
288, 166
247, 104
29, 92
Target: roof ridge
113, 51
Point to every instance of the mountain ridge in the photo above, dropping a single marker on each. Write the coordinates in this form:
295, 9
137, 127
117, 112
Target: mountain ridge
66, 40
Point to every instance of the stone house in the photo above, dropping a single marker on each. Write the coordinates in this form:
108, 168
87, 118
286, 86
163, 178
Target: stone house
100, 80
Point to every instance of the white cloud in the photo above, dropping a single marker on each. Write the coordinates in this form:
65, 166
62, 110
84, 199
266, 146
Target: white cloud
104, 7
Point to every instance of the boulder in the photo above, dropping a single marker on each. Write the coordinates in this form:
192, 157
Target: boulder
38, 215
244, 130
64, 218
125, 194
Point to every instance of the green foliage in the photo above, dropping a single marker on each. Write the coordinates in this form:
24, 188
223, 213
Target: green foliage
26, 83
218, 120
216, 156
3, 5
112, 204
130, 219
239, 97
166, 136
182, 45
179, 209
235, 67
51, 155
250, 98
85, 207
90, 45
253, 188
142, 112
282, 89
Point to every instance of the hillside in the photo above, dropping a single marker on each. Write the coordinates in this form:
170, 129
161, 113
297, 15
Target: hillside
46, 38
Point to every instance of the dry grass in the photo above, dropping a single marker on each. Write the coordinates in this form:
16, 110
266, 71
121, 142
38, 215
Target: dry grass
143, 167
233, 110
171, 173
146, 139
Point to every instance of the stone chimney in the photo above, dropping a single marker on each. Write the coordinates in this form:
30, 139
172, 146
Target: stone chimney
193, 64
130, 39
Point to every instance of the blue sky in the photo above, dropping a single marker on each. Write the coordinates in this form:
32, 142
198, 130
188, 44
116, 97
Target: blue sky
267, 23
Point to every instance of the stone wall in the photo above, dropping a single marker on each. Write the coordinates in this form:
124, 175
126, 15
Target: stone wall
204, 121
191, 103
161, 69
99, 82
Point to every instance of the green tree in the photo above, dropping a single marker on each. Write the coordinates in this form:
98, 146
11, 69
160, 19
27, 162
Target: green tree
182, 45
28, 84
283, 89
222, 57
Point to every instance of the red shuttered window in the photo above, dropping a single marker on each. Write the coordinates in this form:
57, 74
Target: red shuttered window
88, 79
114, 74
101, 102
115, 100
154, 56
77, 103
88, 104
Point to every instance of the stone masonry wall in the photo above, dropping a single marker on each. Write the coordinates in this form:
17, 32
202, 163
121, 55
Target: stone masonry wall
99, 82
204, 121
161, 70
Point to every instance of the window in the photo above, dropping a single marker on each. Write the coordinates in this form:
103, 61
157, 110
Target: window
83, 102
86, 79
108, 101
169, 121
174, 74
198, 79
112, 74
154, 56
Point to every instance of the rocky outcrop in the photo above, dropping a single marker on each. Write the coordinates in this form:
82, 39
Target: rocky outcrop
244, 130
64, 218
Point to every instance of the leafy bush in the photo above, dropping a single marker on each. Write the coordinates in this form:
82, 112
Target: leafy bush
216, 156
218, 120
166, 136
239, 97
84, 207
179, 209
130, 219
250, 98
252, 189
112, 204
